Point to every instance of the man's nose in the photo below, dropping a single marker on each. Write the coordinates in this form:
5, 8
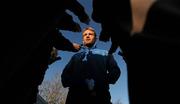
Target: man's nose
87, 36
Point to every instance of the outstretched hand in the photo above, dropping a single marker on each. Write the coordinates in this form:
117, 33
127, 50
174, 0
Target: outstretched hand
77, 46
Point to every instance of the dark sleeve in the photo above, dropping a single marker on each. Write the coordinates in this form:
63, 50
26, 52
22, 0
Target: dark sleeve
67, 73
60, 42
69, 76
113, 70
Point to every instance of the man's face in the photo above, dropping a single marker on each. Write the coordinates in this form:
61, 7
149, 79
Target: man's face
88, 38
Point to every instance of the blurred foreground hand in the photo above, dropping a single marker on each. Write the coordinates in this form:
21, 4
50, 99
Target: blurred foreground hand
77, 46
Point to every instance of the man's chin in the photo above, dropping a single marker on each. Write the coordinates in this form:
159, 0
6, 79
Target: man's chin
89, 44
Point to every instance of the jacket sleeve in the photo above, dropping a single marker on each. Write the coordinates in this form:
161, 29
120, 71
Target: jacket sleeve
69, 77
67, 73
113, 70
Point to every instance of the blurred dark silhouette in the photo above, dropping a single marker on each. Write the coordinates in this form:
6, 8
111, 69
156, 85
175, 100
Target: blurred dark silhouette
151, 55
30, 30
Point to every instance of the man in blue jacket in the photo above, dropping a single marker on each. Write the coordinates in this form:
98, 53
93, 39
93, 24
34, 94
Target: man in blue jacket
89, 73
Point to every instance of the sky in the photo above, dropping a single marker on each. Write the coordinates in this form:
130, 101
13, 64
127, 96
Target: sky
119, 90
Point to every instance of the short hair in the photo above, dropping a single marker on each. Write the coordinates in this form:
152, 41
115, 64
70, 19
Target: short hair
89, 28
